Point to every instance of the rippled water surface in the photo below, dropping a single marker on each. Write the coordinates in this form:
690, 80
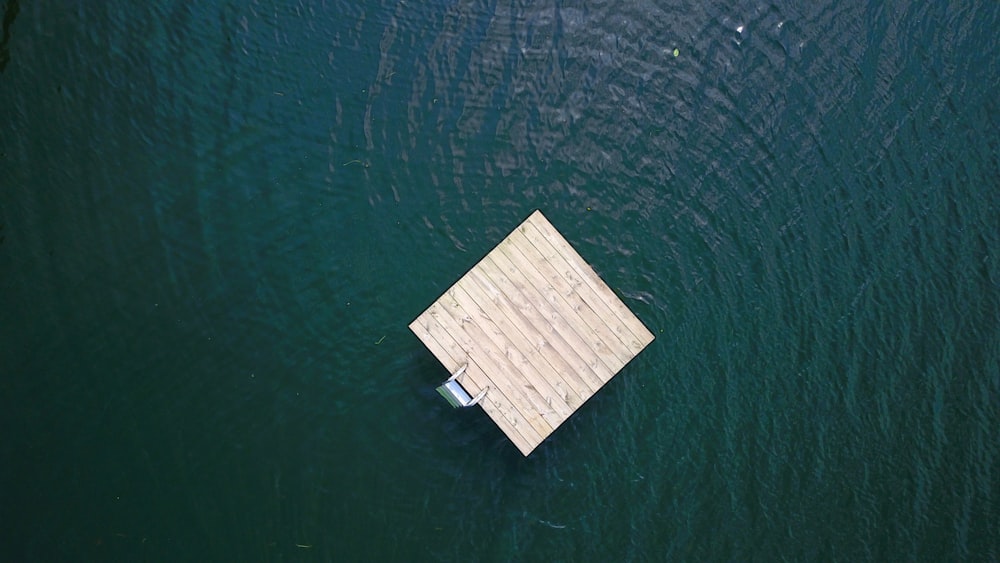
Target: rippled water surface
218, 218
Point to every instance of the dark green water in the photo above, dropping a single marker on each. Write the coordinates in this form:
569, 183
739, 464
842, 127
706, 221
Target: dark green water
218, 218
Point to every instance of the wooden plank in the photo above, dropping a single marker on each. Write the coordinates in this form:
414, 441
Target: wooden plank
641, 335
523, 370
498, 368
570, 265
451, 353
591, 342
537, 326
568, 300
638, 329
527, 337
488, 360
555, 370
499, 407
514, 425
564, 338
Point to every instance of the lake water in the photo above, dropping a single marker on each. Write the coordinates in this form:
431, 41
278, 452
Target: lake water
218, 218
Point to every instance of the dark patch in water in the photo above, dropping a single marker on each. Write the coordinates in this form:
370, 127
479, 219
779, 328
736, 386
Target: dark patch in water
9, 14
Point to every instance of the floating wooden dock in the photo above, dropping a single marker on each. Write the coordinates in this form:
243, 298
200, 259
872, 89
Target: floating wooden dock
537, 327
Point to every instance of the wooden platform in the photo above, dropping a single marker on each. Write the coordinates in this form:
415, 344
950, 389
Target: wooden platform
537, 326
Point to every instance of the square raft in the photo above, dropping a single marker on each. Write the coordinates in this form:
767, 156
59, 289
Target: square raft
537, 327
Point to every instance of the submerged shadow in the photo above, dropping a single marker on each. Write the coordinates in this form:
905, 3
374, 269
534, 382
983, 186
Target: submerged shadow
9, 14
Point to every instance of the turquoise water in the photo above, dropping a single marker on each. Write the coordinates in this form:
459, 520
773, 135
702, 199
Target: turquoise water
217, 220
